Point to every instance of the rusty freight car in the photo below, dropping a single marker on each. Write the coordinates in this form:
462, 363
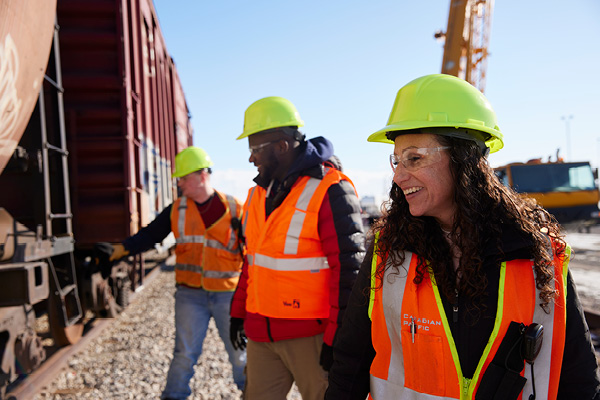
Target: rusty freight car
86, 153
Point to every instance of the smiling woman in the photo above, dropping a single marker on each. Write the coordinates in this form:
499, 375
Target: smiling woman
434, 312
425, 177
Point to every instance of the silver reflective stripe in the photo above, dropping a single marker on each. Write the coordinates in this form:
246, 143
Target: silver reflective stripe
215, 244
381, 389
181, 220
221, 274
250, 258
232, 205
290, 264
188, 267
542, 375
205, 273
392, 294
293, 234
191, 239
292, 239
307, 193
249, 201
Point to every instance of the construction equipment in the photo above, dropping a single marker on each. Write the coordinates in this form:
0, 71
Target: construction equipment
566, 189
466, 40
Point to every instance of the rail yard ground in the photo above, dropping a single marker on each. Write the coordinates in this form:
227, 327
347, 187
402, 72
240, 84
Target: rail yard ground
130, 359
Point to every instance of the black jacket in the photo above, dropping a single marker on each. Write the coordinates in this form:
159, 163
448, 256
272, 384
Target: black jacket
353, 349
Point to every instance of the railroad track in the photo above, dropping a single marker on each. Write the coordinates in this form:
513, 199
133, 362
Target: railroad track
26, 388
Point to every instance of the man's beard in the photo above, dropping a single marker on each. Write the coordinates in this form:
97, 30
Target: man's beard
269, 168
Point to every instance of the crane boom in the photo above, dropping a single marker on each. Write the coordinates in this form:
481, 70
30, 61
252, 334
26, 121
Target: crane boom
467, 38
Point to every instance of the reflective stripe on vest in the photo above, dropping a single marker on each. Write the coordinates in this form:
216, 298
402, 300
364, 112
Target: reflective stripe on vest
203, 260
207, 274
292, 239
429, 367
293, 235
287, 267
289, 264
200, 239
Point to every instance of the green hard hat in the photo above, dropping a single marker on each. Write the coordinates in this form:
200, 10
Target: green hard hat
189, 160
437, 101
269, 113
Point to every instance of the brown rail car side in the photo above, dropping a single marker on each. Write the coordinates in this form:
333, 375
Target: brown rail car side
123, 112
93, 164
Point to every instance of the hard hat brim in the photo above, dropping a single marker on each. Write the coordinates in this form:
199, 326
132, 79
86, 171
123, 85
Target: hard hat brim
495, 142
275, 125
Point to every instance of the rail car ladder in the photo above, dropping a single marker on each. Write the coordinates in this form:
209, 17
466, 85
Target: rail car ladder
64, 297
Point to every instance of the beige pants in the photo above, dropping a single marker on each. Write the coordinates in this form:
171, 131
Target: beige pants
272, 368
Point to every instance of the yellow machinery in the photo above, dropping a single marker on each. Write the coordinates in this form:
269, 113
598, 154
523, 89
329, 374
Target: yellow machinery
566, 189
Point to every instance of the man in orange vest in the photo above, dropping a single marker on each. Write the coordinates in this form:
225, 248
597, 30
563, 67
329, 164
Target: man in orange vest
207, 269
304, 243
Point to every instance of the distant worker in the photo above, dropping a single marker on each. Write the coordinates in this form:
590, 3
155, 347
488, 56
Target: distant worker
465, 291
205, 223
304, 244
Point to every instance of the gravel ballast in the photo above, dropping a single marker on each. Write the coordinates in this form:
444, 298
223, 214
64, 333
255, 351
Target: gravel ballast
130, 359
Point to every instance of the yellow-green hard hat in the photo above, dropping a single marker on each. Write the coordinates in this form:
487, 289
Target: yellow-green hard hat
268, 113
189, 160
440, 100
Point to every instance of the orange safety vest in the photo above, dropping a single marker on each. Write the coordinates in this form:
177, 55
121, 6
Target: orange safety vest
428, 367
206, 257
288, 273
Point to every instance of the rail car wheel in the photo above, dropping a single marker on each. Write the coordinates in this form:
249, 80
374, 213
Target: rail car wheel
63, 335
123, 289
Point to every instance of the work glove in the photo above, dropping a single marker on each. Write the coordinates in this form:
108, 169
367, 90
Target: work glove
105, 255
118, 252
236, 333
326, 359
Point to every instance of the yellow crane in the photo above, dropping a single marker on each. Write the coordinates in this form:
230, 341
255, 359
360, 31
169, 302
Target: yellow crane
466, 40
566, 190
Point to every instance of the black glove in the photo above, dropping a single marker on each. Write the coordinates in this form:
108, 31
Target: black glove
236, 333
326, 360
102, 254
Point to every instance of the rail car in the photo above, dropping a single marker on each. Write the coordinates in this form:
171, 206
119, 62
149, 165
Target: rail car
92, 115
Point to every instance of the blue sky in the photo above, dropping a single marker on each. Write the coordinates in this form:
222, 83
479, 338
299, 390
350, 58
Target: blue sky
342, 62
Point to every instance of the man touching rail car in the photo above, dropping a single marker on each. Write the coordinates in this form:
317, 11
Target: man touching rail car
207, 269
304, 244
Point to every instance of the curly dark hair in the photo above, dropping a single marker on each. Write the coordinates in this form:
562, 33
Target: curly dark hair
484, 208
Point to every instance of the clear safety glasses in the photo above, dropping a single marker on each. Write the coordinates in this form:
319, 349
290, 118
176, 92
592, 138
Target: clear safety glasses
260, 147
416, 158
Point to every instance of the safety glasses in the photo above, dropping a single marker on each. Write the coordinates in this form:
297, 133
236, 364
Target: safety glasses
416, 158
260, 147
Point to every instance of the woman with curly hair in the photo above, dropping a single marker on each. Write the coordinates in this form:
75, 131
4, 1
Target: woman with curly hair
465, 292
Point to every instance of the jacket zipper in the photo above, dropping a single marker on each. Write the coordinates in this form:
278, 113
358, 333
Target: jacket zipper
269, 329
455, 307
465, 388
